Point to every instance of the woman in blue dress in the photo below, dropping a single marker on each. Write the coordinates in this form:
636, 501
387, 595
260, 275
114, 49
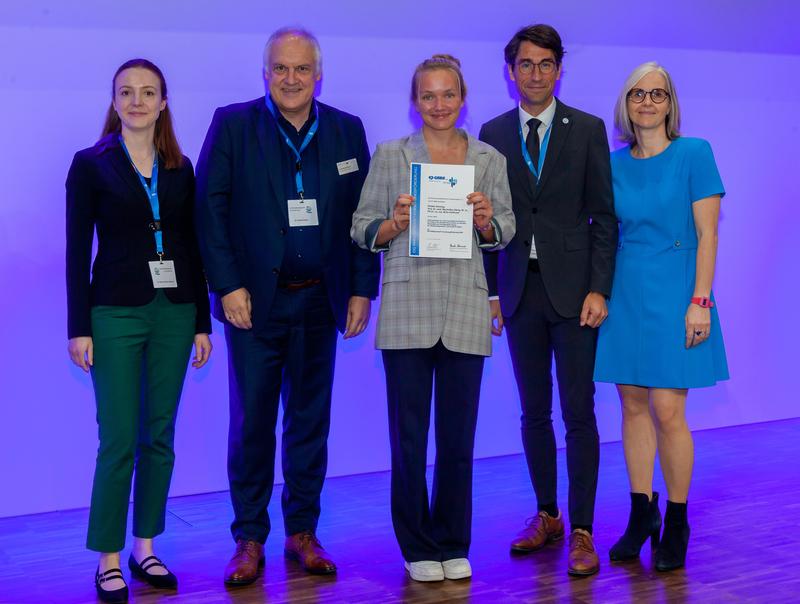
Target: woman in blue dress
662, 335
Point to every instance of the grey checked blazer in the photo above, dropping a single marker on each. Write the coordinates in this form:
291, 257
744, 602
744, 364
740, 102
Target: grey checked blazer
427, 299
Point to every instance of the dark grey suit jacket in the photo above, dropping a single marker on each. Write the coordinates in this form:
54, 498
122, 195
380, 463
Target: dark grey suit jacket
570, 212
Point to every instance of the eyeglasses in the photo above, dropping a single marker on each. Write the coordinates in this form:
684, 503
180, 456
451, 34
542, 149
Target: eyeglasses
657, 95
546, 67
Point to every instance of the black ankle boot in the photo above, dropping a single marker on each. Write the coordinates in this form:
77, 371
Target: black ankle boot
671, 553
643, 522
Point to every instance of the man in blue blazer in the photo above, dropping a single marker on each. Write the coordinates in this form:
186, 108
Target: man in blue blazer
552, 281
278, 180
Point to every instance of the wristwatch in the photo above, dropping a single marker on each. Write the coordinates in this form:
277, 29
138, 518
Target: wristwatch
702, 302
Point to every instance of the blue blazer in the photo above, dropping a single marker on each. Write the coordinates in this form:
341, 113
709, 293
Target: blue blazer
242, 215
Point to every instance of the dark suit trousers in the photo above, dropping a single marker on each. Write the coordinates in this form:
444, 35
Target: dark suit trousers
291, 358
441, 529
535, 333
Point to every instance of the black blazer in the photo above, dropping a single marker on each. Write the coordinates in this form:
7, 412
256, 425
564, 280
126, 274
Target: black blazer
242, 216
570, 212
104, 193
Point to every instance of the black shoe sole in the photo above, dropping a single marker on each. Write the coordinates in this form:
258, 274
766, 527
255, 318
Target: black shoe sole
153, 580
241, 582
576, 573
666, 569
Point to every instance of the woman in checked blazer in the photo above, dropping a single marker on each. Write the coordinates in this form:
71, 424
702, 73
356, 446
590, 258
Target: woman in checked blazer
434, 321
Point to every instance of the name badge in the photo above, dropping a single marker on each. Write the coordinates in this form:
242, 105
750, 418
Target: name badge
345, 167
163, 273
303, 212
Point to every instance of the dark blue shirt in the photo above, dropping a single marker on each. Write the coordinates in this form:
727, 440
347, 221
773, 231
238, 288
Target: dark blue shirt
302, 254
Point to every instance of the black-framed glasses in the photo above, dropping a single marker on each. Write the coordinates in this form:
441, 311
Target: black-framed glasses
657, 95
546, 67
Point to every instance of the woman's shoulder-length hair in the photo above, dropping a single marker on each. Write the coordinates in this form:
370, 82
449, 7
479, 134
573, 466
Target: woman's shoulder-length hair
622, 120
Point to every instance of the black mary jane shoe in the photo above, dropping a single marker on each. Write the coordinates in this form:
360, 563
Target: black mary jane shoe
110, 596
139, 570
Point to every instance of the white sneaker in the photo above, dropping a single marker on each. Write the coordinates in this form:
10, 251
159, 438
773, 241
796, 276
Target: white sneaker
457, 568
425, 570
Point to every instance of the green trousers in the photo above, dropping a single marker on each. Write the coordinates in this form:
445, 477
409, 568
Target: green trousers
140, 359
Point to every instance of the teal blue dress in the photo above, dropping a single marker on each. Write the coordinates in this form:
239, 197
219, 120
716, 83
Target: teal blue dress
642, 342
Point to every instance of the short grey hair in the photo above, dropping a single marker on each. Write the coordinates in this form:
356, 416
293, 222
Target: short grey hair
299, 32
622, 120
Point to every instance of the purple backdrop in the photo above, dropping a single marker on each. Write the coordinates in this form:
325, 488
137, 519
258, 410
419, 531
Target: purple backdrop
733, 71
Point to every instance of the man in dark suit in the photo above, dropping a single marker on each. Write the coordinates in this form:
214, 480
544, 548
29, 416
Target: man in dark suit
278, 180
553, 280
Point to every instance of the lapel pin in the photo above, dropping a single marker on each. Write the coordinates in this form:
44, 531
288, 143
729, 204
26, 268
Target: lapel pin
565, 120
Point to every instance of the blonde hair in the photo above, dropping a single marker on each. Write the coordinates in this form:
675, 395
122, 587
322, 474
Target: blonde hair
439, 61
622, 120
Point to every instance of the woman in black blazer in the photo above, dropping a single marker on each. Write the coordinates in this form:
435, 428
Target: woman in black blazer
133, 323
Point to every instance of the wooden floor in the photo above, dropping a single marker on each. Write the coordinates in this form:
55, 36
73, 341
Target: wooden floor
744, 512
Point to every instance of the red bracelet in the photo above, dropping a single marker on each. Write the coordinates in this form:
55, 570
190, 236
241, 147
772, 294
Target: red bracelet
483, 229
702, 302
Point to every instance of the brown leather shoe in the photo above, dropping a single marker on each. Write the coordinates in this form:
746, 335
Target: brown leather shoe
307, 550
243, 567
538, 532
583, 560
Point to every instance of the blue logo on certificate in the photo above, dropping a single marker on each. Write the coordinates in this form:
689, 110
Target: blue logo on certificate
452, 181
441, 219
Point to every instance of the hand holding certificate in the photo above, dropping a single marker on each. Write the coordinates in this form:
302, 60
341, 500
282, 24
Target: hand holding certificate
441, 219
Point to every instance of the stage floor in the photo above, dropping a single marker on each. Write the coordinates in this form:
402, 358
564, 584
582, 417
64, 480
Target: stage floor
744, 510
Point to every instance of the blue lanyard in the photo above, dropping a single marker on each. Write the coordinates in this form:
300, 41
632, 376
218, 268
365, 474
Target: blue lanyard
535, 170
152, 193
298, 177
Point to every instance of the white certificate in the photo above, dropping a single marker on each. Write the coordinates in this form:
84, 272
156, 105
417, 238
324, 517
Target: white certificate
441, 219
